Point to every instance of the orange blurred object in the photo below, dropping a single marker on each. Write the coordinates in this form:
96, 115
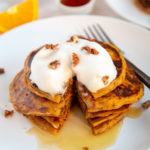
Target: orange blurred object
18, 14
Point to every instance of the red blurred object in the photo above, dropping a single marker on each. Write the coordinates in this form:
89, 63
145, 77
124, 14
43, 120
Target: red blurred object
74, 3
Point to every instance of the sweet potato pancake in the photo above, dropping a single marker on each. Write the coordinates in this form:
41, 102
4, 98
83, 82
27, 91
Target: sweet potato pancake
119, 63
104, 113
57, 122
28, 103
81, 70
116, 56
43, 124
34, 88
107, 124
50, 125
129, 92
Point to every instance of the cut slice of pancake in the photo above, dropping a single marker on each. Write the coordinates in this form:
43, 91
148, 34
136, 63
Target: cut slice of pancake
28, 103
105, 113
56, 122
129, 92
43, 124
108, 112
107, 124
34, 88
119, 63
50, 125
99, 120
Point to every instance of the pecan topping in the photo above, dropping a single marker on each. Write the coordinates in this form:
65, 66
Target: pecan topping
51, 46
105, 79
2, 70
8, 113
54, 64
90, 50
73, 39
75, 59
146, 104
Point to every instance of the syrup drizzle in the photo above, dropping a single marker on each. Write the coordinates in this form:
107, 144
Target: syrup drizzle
75, 134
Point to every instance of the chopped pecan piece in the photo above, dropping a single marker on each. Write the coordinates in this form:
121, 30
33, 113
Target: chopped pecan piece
51, 46
2, 70
90, 50
73, 39
146, 104
105, 79
8, 113
54, 64
85, 148
75, 59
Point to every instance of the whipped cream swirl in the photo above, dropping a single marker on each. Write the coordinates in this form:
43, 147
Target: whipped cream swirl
52, 68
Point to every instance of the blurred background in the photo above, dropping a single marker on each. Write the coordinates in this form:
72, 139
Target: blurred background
48, 8
16, 12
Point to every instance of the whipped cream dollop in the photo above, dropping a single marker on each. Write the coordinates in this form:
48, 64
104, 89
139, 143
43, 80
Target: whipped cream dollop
51, 68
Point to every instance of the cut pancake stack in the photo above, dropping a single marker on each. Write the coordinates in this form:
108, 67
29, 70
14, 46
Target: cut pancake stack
102, 109
45, 111
108, 106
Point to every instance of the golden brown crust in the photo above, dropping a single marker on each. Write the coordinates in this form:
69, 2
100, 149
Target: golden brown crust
129, 92
28, 103
107, 124
104, 113
33, 87
57, 122
51, 124
43, 124
119, 63
99, 120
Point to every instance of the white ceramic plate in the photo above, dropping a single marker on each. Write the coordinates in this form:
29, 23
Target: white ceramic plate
128, 10
15, 46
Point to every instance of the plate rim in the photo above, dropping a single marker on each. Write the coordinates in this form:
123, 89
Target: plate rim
76, 16
118, 20
127, 18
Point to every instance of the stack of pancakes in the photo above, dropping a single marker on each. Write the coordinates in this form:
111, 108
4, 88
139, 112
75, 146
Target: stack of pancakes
108, 106
45, 111
103, 109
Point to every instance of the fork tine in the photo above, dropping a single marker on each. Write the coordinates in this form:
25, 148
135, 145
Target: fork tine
107, 37
96, 30
104, 33
86, 33
93, 34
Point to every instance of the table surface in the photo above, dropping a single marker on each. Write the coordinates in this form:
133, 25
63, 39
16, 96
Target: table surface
48, 8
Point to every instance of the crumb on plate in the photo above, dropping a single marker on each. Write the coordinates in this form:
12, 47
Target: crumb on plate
2, 70
146, 104
8, 113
